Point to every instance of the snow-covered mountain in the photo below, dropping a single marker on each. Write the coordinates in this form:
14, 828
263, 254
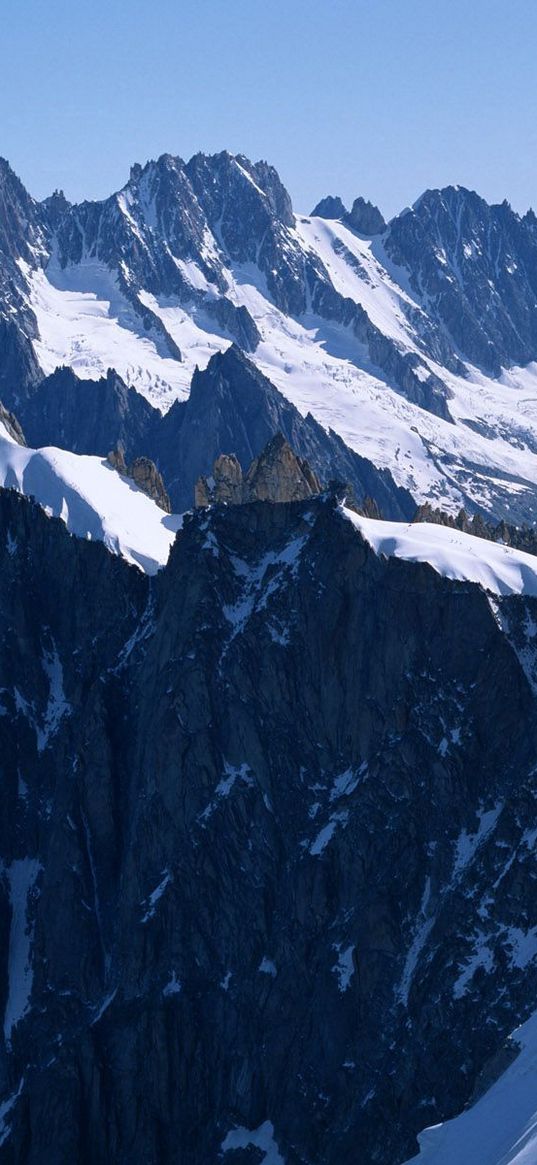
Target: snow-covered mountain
415, 344
267, 816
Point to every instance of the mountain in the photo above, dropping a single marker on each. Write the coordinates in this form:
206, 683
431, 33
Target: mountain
267, 828
414, 341
363, 216
476, 265
233, 408
268, 795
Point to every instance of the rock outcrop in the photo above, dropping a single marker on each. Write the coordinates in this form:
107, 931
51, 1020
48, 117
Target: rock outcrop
225, 486
146, 476
277, 475
144, 473
331, 207
476, 267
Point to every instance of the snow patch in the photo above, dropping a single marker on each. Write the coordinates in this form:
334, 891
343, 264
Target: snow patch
267, 967
346, 782
468, 843
260, 1138
21, 876
57, 706
5, 1109
482, 957
344, 968
232, 774
85, 321
156, 895
92, 499
326, 834
425, 923
174, 987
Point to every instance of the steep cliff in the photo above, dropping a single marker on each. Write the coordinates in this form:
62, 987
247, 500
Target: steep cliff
266, 831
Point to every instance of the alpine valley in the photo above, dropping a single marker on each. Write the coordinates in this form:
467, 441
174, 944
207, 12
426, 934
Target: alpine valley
268, 676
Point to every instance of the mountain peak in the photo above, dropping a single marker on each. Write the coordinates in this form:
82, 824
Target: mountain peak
366, 218
363, 217
330, 207
276, 475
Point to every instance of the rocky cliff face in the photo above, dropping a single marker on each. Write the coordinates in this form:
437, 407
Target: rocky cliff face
277, 475
146, 476
86, 416
477, 266
267, 839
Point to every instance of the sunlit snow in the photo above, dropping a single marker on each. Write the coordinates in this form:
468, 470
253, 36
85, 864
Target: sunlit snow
453, 554
501, 1128
93, 500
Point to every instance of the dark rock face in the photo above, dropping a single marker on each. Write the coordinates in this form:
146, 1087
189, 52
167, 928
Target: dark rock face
277, 475
476, 267
232, 406
330, 207
266, 836
22, 223
366, 218
19, 370
86, 416
23, 239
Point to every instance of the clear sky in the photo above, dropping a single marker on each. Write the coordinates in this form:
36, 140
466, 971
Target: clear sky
376, 97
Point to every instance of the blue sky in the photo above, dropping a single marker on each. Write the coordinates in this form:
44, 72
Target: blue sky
375, 97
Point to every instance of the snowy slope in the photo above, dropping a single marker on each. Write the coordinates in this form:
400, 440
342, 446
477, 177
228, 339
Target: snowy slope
84, 321
501, 1128
355, 271
453, 554
93, 500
